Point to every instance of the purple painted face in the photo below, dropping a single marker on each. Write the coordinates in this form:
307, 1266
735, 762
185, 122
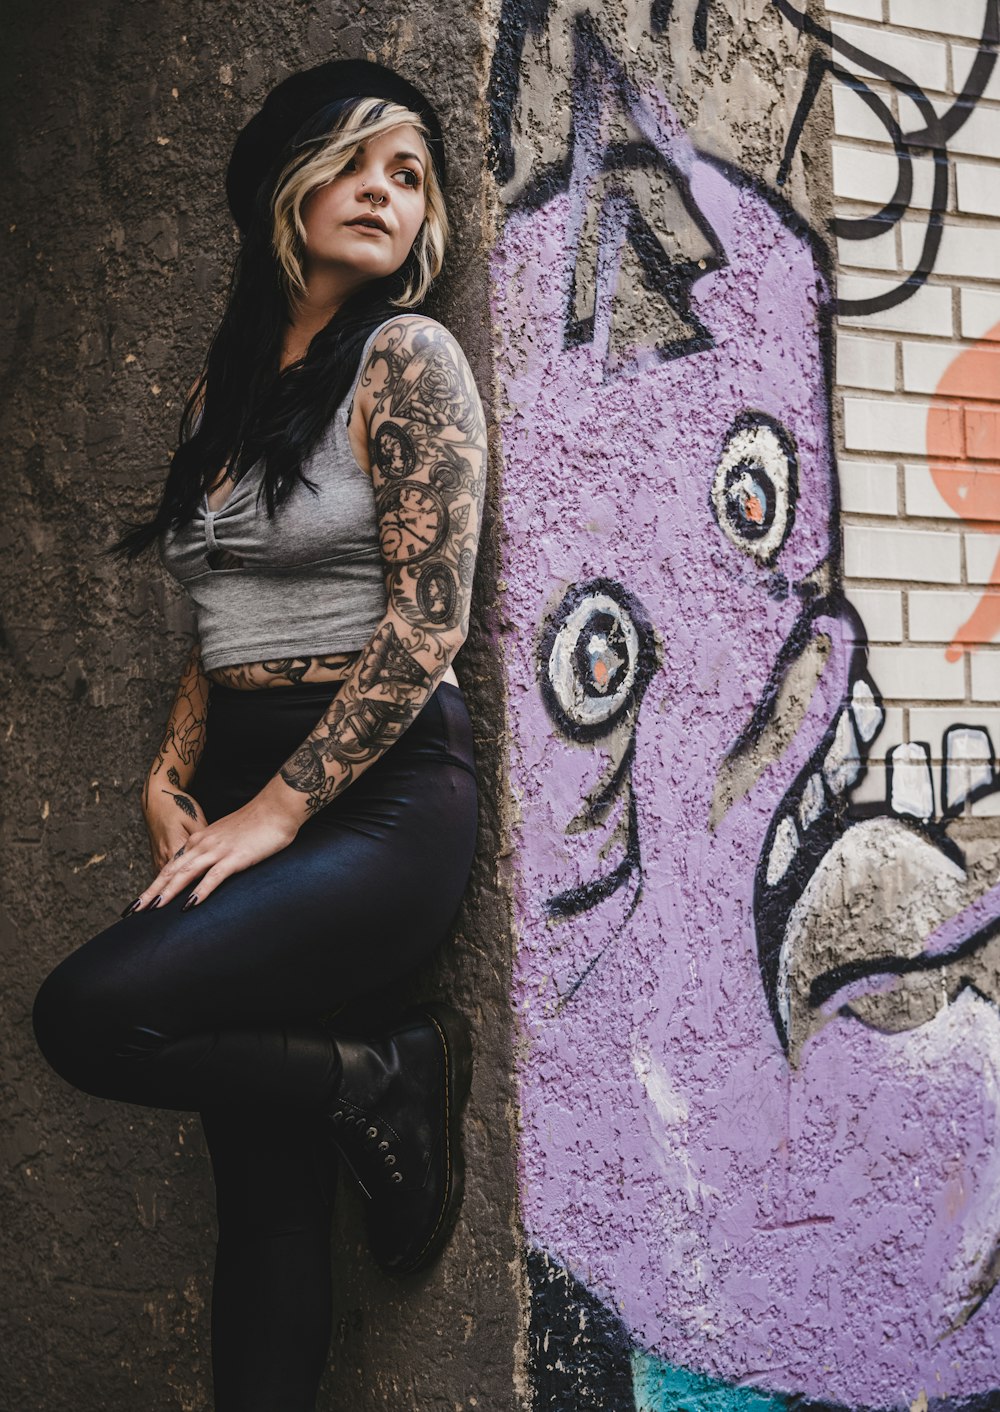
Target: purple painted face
740, 1129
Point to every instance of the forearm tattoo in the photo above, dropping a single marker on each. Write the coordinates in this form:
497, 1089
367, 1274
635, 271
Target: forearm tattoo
183, 803
427, 447
184, 738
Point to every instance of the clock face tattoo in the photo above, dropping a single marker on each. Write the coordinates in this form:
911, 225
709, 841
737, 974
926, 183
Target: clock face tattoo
394, 453
412, 522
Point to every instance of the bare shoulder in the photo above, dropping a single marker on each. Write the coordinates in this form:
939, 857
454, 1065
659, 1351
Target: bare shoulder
412, 330
419, 374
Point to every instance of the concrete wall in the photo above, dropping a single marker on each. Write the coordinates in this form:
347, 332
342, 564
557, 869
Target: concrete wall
118, 121
736, 704
756, 980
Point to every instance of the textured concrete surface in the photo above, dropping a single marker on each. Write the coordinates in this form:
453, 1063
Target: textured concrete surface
117, 120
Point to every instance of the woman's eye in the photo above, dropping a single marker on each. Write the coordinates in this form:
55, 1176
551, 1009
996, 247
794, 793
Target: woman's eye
413, 179
755, 486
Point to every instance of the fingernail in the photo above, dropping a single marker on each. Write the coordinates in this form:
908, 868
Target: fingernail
191, 902
131, 907
155, 902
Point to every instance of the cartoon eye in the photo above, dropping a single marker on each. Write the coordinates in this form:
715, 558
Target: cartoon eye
756, 483
597, 654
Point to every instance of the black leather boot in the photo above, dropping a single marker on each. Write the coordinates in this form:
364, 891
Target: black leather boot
397, 1122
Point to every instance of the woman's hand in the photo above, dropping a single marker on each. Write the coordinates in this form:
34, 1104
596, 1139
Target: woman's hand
171, 815
213, 852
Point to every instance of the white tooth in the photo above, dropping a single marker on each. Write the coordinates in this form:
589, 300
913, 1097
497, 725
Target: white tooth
868, 714
842, 765
811, 803
912, 788
783, 850
968, 763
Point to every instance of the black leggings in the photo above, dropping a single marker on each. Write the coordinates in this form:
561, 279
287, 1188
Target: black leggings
224, 1008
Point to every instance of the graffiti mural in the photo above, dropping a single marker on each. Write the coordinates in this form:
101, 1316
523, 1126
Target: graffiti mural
929, 141
963, 441
760, 1073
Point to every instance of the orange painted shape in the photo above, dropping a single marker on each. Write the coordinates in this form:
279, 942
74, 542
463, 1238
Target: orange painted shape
754, 509
973, 370
963, 433
972, 491
946, 431
982, 434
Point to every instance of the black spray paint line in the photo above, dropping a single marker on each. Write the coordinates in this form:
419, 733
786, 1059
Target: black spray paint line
595, 71
599, 621
975, 84
518, 19
826, 986
932, 137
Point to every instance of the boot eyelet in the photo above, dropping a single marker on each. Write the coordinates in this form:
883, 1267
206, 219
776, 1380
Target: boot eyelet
372, 1132
390, 1161
397, 1176
338, 1117
383, 1146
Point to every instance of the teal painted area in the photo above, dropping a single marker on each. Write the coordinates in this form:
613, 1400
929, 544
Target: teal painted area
660, 1388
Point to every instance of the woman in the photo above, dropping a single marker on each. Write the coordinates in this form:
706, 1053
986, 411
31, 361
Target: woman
312, 807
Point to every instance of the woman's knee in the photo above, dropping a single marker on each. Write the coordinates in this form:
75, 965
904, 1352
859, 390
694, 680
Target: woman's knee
82, 1010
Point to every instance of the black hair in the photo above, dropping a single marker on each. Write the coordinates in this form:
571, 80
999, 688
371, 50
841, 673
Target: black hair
250, 408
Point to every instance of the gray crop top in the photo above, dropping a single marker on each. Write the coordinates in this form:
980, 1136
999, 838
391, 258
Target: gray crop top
306, 583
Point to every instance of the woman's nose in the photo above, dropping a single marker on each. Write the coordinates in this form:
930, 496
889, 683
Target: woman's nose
372, 185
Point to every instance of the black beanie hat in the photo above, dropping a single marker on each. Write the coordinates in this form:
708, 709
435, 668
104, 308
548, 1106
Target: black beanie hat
298, 98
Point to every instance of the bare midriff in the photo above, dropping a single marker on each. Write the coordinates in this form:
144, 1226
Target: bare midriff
292, 671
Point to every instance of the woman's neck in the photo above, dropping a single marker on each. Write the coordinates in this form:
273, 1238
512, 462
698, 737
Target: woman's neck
312, 310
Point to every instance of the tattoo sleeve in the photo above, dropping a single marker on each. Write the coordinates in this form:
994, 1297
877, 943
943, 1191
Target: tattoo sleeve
184, 737
427, 447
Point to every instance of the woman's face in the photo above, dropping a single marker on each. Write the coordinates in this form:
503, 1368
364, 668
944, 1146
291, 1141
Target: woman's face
367, 217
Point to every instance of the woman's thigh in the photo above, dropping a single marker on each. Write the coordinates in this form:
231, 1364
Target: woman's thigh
361, 896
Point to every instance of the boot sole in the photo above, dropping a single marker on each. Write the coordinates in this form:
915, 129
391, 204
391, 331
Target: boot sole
456, 1040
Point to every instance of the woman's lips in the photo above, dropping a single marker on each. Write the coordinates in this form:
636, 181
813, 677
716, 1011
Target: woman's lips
369, 229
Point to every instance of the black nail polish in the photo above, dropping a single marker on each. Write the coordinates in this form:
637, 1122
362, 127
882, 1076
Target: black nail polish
191, 902
155, 902
131, 907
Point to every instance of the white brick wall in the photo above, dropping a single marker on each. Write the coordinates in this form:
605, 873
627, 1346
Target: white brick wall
868, 488
961, 17
930, 310
978, 188
916, 566
866, 362
979, 313
923, 60
882, 611
903, 554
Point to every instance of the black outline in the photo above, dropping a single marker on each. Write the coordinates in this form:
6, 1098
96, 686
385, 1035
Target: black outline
933, 137
744, 422
586, 896
595, 70
950, 810
890, 770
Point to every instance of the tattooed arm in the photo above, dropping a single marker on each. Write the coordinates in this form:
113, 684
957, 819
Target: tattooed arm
170, 812
427, 447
